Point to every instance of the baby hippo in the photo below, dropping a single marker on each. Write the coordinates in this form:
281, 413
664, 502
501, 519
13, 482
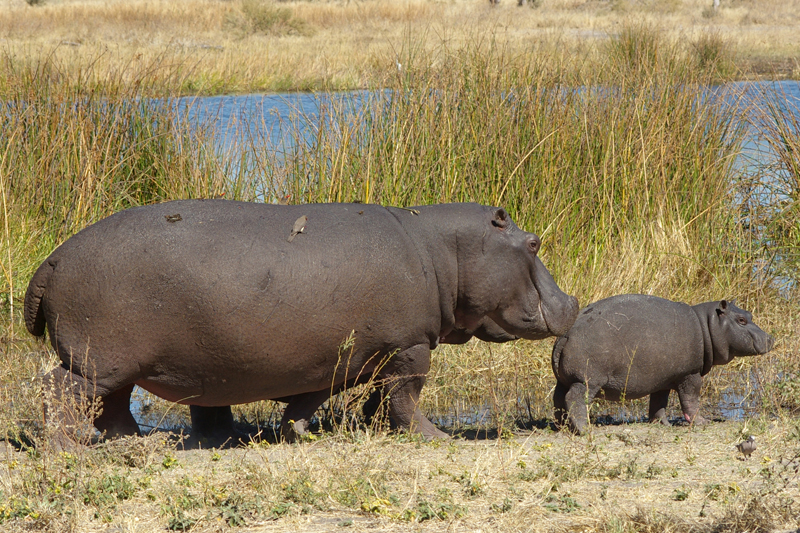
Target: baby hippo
632, 345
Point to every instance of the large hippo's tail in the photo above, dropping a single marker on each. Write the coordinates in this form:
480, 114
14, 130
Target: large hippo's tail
558, 347
34, 314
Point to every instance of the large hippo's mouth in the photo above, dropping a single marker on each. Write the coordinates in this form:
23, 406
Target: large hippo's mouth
549, 312
559, 321
557, 309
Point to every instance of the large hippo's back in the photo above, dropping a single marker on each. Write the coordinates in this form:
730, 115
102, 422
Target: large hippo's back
166, 288
636, 343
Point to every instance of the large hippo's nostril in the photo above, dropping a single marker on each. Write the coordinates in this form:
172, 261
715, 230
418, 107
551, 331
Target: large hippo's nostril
534, 243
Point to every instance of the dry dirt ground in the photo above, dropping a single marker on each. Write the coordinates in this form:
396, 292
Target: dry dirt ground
633, 477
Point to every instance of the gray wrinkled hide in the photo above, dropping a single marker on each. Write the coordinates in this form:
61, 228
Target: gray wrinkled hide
204, 302
631, 346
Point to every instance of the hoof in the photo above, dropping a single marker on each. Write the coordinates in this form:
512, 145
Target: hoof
697, 420
294, 430
438, 434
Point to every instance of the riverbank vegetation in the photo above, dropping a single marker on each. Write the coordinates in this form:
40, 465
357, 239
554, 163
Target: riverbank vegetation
638, 176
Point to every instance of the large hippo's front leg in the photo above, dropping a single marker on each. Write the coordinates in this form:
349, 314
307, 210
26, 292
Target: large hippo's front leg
658, 407
299, 410
689, 395
212, 427
375, 410
403, 377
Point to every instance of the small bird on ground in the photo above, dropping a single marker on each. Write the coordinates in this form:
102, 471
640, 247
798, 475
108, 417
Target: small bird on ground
299, 226
747, 447
284, 200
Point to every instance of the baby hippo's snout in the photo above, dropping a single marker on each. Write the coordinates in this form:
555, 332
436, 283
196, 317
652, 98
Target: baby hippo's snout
763, 343
743, 336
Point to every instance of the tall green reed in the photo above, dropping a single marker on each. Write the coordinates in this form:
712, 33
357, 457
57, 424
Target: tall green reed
624, 167
779, 124
75, 148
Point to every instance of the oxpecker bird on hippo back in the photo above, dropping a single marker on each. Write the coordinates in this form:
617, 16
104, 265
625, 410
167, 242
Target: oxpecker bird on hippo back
210, 303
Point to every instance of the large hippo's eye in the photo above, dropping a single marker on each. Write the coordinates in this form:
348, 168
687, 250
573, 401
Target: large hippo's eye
534, 243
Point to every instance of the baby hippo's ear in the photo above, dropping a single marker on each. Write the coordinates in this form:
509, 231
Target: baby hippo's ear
722, 308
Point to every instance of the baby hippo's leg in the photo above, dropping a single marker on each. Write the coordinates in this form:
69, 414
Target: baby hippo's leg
689, 395
560, 405
658, 406
577, 401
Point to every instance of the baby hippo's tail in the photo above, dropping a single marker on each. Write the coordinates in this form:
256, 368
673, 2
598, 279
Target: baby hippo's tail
34, 314
558, 348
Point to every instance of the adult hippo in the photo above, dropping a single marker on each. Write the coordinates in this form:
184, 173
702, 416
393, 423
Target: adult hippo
207, 303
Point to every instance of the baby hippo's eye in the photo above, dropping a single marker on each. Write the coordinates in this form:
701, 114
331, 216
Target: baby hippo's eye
741, 320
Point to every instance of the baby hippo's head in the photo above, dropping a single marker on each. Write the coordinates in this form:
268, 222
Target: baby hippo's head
735, 334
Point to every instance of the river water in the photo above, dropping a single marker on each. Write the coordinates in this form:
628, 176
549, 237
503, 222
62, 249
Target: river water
271, 117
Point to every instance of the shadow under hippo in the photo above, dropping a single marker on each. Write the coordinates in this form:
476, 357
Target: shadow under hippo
211, 303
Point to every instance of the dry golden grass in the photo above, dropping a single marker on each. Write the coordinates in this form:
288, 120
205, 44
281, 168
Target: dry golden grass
638, 477
250, 45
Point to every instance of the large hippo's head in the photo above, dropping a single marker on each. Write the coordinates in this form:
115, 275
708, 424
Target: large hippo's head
501, 277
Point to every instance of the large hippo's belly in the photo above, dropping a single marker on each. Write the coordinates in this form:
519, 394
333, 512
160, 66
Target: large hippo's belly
210, 311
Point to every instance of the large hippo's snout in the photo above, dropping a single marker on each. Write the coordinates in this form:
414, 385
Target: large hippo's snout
561, 318
559, 310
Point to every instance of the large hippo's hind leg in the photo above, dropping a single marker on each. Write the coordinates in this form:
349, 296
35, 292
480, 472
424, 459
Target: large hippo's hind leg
70, 409
403, 377
658, 406
116, 419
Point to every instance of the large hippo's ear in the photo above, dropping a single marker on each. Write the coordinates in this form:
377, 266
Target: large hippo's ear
500, 219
